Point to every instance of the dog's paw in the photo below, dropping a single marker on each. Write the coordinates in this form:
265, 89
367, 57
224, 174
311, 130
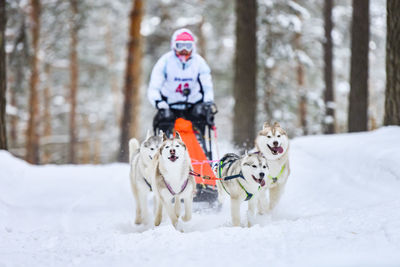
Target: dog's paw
138, 221
187, 217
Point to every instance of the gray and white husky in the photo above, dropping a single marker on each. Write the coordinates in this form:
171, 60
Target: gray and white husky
242, 178
172, 180
273, 143
140, 157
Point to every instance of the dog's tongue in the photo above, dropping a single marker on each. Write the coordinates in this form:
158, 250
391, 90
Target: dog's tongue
279, 149
262, 183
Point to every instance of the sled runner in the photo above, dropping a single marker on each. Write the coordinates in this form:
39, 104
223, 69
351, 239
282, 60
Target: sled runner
194, 125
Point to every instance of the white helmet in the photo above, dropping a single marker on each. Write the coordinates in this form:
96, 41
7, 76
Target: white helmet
183, 39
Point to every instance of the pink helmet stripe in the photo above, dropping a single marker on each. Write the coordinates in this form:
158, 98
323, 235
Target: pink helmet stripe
184, 36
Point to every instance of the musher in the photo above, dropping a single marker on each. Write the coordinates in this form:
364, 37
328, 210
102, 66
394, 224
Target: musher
181, 86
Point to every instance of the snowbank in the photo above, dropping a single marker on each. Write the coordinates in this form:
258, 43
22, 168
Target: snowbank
341, 208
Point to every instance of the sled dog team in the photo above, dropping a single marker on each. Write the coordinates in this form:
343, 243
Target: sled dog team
163, 165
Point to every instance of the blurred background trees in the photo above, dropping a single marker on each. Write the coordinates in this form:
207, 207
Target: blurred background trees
70, 97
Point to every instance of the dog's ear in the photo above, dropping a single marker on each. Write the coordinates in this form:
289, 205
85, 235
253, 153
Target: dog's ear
266, 125
177, 135
164, 137
276, 124
148, 134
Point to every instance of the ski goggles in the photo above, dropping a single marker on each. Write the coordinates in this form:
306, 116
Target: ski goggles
179, 46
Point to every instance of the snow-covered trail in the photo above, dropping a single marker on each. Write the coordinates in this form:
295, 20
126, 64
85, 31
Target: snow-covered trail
341, 208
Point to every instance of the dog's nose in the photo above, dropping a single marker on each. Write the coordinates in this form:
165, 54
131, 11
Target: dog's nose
262, 175
275, 143
172, 151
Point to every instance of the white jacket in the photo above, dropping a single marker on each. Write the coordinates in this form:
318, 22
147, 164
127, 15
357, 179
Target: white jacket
170, 76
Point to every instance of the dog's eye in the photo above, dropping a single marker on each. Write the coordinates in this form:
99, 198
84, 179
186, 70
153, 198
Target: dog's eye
279, 135
269, 136
166, 146
254, 166
177, 146
264, 167
151, 148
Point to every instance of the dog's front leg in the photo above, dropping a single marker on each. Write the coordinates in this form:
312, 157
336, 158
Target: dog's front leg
145, 212
171, 212
235, 211
262, 202
138, 217
251, 212
274, 195
177, 206
188, 209
158, 216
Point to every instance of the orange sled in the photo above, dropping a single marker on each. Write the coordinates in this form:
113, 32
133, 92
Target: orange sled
200, 163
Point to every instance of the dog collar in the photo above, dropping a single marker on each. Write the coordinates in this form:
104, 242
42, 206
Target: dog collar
172, 191
275, 179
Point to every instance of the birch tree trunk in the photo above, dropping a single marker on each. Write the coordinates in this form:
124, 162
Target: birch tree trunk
32, 143
130, 114
392, 96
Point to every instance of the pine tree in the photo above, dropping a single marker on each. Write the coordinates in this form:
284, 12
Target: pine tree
3, 80
130, 114
32, 144
358, 104
392, 96
244, 87
329, 118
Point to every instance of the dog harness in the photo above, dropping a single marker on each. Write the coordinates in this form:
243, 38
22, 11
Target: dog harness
226, 178
275, 179
172, 191
148, 184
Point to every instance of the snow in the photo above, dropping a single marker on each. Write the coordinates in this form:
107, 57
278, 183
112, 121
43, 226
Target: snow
340, 208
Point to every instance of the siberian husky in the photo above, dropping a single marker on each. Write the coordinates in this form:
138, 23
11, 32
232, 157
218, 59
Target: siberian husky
170, 169
140, 157
242, 178
273, 143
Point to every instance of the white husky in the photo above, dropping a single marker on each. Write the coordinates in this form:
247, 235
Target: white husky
273, 143
242, 178
140, 158
170, 169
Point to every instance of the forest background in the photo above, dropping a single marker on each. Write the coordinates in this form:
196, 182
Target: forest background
75, 73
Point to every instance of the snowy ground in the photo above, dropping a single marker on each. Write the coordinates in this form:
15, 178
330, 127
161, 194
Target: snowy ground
341, 208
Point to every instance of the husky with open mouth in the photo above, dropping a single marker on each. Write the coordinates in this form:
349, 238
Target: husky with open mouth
242, 178
171, 167
140, 157
273, 143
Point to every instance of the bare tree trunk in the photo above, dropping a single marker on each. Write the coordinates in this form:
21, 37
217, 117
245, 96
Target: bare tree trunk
17, 63
201, 42
3, 76
130, 114
73, 57
244, 88
358, 104
97, 143
302, 94
85, 143
113, 79
392, 96
32, 144
14, 119
329, 96
46, 158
